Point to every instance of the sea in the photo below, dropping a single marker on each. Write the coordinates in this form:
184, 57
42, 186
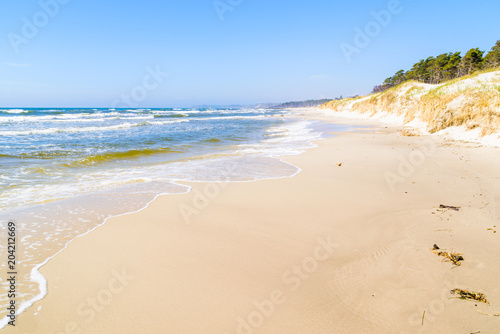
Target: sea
64, 172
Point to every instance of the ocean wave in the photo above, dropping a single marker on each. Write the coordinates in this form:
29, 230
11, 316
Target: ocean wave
42, 118
212, 140
46, 154
216, 118
287, 139
39, 155
170, 115
14, 111
65, 115
102, 163
84, 129
138, 110
66, 130
106, 157
131, 118
166, 122
82, 118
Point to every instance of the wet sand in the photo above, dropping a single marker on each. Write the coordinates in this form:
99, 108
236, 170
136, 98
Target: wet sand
343, 247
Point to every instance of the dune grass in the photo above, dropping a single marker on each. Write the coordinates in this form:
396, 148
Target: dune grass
472, 101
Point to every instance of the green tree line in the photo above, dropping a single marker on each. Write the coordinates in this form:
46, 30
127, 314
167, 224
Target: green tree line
301, 104
447, 66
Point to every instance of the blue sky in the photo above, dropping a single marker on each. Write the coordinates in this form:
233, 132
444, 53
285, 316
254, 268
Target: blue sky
90, 53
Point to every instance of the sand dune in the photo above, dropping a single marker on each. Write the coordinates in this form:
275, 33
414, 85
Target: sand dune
467, 108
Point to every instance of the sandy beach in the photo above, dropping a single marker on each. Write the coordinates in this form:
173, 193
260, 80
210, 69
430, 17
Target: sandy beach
342, 247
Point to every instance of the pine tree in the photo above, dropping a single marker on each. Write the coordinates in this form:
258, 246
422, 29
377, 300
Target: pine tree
420, 71
471, 62
437, 68
447, 66
492, 59
451, 69
398, 78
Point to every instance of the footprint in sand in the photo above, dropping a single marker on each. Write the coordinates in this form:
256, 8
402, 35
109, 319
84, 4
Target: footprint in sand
362, 287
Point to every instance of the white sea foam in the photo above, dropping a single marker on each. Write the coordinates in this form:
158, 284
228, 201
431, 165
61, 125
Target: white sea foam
84, 129
231, 118
41, 281
167, 122
13, 111
288, 139
62, 130
250, 162
80, 117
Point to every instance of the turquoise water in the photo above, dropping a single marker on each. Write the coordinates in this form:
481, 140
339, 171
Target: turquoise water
49, 154
64, 172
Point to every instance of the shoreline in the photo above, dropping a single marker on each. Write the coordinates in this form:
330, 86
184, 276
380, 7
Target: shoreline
36, 278
42, 281
267, 229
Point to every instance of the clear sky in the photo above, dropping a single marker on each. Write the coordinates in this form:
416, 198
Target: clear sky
89, 53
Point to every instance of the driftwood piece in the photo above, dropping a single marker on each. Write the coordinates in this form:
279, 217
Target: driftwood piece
455, 208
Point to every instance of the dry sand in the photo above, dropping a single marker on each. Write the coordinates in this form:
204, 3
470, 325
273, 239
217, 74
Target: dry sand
335, 249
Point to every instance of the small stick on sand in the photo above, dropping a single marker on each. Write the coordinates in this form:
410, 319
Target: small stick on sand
456, 208
490, 315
